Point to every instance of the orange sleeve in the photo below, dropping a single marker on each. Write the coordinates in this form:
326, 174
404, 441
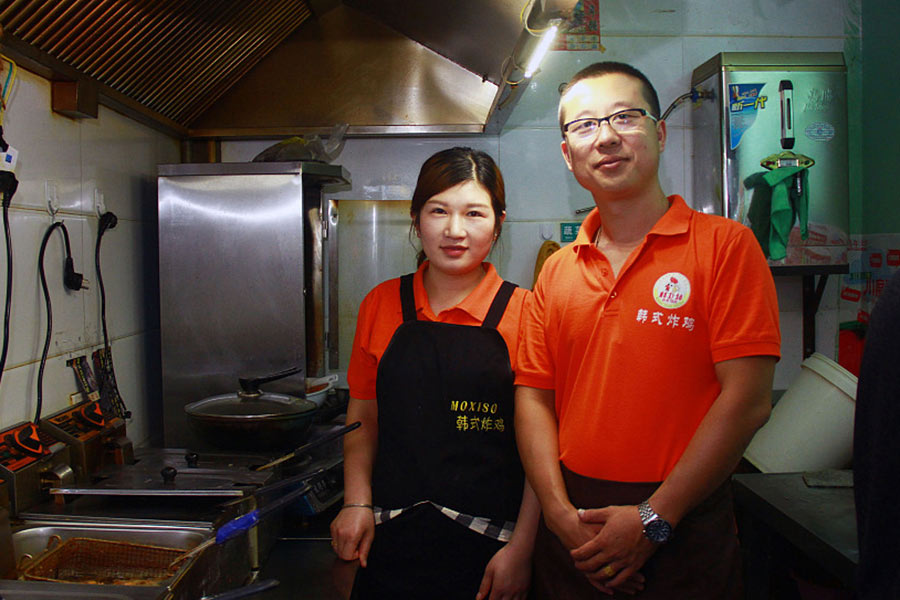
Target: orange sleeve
533, 362
363, 367
743, 314
379, 316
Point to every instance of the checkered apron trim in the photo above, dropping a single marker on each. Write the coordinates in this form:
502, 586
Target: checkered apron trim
496, 529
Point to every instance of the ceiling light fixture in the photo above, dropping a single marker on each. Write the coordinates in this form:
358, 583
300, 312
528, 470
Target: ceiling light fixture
543, 46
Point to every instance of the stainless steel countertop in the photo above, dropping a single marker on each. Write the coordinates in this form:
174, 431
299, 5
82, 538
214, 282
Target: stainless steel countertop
307, 569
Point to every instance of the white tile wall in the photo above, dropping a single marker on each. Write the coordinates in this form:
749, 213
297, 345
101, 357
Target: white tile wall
117, 157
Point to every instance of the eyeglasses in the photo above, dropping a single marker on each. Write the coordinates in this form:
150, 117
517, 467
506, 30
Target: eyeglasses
621, 121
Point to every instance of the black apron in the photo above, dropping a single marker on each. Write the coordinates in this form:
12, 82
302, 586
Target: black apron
445, 434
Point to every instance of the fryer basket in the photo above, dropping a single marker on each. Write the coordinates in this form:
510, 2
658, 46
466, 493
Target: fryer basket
89, 560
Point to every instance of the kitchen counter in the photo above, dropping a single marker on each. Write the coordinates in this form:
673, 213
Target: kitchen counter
307, 569
304, 563
819, 522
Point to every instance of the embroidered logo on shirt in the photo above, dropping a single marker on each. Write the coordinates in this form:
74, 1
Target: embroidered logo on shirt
672, 290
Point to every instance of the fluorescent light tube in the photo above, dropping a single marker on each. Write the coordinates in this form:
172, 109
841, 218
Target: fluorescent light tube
543, 46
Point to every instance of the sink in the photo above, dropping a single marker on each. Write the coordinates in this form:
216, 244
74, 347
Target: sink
217, 568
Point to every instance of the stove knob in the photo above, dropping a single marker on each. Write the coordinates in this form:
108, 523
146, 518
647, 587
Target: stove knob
168, 474
192, 459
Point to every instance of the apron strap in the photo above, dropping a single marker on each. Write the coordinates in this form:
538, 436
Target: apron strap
408, 298
498, 306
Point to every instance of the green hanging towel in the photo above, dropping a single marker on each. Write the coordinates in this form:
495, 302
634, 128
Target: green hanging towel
776, 205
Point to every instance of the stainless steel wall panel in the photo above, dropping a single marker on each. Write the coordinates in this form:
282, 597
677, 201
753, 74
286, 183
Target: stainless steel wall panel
240, 270
231, 284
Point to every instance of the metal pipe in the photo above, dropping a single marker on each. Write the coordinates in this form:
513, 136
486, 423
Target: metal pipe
237, 60
114, 19
192, 27
70, 26
237, 72
216, 34
143, 43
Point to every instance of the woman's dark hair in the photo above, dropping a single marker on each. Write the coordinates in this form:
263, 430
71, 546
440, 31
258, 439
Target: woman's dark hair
453, 166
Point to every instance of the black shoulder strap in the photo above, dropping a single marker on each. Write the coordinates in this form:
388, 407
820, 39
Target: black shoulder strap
498, 306
408, 298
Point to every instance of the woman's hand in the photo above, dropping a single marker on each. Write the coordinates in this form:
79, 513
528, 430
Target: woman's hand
352, 532
507, 575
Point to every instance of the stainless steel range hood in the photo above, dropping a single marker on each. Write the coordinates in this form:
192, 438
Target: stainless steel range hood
225, 69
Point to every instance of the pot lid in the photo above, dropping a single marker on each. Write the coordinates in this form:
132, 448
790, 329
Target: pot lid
241, 406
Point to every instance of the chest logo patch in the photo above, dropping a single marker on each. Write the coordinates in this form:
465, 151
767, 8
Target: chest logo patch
672, 290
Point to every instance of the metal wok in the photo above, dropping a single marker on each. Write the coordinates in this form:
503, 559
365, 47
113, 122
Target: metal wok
251, 419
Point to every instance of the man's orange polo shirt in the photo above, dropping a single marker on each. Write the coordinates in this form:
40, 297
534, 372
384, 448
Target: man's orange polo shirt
632, 359
380, 314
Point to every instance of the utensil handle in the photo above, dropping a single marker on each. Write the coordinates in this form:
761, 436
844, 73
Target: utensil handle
265, 510
245, 522
313, 444
237, 526
251, 384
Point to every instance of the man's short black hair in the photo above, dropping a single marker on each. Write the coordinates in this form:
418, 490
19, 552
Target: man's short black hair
610, 67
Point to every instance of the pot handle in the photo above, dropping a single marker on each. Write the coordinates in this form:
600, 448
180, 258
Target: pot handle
250, 385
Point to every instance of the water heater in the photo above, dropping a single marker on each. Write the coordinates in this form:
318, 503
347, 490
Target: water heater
770, 150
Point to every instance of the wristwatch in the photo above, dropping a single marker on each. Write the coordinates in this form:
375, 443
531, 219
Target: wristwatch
656, 529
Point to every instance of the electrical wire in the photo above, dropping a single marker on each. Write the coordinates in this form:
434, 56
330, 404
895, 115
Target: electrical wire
9, 185
515, 66
694, 96
40, 380
5, 90
101, 230
524, 20
107, 221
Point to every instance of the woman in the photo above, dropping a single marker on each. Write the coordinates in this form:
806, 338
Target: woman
431, 381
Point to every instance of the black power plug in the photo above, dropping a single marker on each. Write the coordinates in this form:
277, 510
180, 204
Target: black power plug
72, 280
107, 221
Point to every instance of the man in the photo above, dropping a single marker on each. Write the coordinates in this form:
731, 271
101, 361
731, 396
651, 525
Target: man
645, 369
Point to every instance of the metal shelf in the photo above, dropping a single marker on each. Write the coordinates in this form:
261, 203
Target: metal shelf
812, 295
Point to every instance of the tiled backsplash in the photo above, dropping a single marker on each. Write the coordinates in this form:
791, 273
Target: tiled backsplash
111, 156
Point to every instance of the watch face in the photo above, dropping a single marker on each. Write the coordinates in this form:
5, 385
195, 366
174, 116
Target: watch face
658, 531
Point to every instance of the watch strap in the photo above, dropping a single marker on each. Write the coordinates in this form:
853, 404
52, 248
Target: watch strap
647, 513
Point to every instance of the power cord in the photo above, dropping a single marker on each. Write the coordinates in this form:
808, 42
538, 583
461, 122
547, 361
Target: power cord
694, 95
108, 386
72, 280
8, 186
